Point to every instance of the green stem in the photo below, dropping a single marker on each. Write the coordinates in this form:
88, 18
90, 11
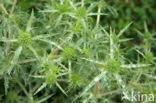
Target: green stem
24, 90
98, 16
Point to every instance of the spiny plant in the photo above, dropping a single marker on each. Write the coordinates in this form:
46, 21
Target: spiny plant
63, 51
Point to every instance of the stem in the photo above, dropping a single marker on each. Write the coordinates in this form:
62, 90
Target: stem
27, 61
98, 19
98, 16
3, 8
82, 3
97, 88
24, 90
13, 7
69, 66
61, 2
9, 45
123, 86
110, 93
11, 12
111, 45
139, 77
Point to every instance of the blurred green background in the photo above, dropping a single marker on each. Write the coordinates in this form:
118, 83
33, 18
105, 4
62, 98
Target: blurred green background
124, 12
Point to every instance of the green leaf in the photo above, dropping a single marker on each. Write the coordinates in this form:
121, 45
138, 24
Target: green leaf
58, 85
135, 65
6, 84
34, 52
91, 84
15, 59
124, 29
29, 24
40, 88
52, 43
45, 98
8, 40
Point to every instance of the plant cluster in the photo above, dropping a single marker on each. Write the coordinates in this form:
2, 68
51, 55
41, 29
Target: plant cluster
75, 51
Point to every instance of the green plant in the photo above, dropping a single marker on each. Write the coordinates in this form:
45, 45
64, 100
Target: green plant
78, 51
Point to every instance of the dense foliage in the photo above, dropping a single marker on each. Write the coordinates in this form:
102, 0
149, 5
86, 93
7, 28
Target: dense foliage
80, 51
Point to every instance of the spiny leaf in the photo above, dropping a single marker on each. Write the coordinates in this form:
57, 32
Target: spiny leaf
124, 29
2, 8
94, 14
40, 88
135, 65
52, 43
29, 24
140, 33
145, 27
111, 44
123, 85
8, 40
15, 59
34, 52
6, 84
58, 85
94, 61
45, 98
126, 39
48, 11
91, 84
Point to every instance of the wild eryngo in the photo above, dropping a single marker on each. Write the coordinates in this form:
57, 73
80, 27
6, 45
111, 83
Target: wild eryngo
77, 51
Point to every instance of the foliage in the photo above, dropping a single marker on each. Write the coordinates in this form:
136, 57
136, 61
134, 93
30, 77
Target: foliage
78, 51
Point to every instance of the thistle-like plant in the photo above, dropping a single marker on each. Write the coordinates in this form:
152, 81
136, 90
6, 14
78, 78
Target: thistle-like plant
65, 51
